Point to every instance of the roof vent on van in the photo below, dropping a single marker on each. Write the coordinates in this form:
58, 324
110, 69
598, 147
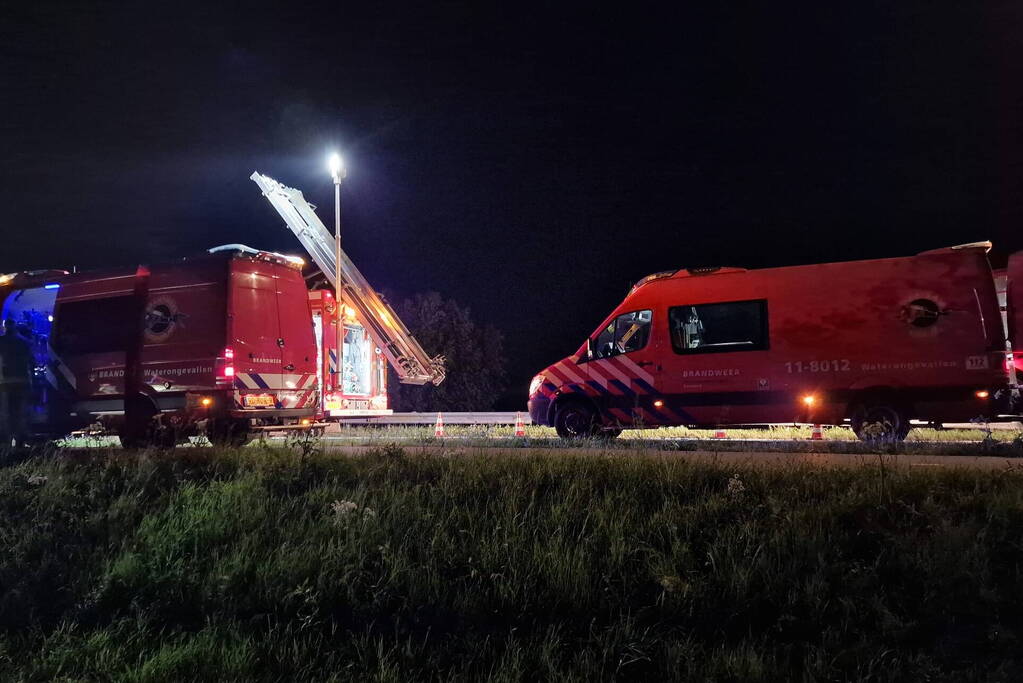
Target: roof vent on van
710, 270
654, 276
249, 251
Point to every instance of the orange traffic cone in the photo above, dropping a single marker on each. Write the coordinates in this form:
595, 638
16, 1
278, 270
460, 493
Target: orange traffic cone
520, 427
816, 434
438, 430
720, 434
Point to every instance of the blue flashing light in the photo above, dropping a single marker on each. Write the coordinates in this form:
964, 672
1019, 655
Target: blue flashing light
52, 285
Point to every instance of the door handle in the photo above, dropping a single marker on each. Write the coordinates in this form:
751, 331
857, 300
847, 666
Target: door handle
644, 363
289, 366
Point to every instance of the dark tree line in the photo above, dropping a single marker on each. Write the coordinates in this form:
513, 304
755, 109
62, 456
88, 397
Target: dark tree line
474, 356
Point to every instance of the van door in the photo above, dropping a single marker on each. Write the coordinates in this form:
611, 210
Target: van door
255, 332
298, 345
715, 354
184, 327
622, 370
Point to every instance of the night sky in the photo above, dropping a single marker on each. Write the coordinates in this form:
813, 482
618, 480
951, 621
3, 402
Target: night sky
528, 161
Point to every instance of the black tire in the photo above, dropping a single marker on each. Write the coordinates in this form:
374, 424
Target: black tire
576, 420
880, 421
154, 436
229, 433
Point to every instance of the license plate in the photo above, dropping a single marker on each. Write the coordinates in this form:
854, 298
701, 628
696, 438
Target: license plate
258, 401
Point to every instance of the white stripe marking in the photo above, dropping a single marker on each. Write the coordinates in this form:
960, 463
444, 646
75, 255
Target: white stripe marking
638, 370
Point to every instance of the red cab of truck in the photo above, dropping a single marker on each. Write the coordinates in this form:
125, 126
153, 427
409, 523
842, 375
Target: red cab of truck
218, 343
877, 342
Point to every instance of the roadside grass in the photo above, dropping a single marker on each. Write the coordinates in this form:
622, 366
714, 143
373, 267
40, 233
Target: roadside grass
796, 438
766, 433
999, 442
271, 563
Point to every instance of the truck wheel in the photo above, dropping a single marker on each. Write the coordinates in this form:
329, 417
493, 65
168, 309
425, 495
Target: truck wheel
575, 420
229, 433
154, 436
881, 421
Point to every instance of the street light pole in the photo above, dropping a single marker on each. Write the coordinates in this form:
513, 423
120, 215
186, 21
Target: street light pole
338, 173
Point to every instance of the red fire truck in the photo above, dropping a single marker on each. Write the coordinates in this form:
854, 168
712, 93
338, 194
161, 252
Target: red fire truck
222, 343
877, 342
155, 353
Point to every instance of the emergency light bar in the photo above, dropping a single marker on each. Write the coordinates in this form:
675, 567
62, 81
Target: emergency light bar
407, 357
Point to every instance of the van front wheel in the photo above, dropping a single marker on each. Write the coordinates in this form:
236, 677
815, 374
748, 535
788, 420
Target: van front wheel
575, 420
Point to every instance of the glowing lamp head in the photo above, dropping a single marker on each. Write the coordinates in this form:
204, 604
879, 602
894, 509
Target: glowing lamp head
982, 393
809, 400
207, 402
336, 166
658, 403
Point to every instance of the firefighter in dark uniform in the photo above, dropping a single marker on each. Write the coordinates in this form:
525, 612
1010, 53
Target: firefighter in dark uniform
15, 384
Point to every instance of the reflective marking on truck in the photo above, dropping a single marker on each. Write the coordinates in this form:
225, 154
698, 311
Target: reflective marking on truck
631, 367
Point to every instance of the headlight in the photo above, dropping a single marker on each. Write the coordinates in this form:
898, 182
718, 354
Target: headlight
534, 386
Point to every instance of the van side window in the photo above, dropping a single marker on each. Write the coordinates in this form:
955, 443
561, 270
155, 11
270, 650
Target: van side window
627, 333
721, 327
96, 325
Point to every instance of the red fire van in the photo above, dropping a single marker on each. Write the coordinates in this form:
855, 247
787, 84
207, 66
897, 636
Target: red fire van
214, 343
877, 342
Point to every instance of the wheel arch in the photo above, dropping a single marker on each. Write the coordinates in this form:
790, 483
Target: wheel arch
572, 397
876, 393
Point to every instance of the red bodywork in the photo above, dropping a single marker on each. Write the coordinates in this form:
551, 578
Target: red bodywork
225, 335
805, 344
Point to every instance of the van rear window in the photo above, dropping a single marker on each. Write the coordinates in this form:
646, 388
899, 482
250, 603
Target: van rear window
96, 325
719, 327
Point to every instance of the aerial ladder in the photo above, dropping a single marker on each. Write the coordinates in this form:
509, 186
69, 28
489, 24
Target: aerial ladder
406, 356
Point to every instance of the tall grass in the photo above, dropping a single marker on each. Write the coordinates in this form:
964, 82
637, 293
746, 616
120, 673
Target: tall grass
272, 564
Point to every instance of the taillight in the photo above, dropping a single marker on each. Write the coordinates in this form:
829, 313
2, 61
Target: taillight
228, 371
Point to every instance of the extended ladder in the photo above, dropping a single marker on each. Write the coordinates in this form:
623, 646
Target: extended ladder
406, 356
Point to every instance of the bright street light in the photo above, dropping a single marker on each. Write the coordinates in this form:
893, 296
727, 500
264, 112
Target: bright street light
337, 172
336, 166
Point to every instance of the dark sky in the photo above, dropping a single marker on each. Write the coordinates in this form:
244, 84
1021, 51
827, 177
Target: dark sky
530, 161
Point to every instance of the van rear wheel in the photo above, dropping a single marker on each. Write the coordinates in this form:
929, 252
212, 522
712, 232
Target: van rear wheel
152, 437
880, 421
230, 433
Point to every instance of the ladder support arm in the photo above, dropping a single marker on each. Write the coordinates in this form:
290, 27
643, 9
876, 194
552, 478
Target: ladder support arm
406, 356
